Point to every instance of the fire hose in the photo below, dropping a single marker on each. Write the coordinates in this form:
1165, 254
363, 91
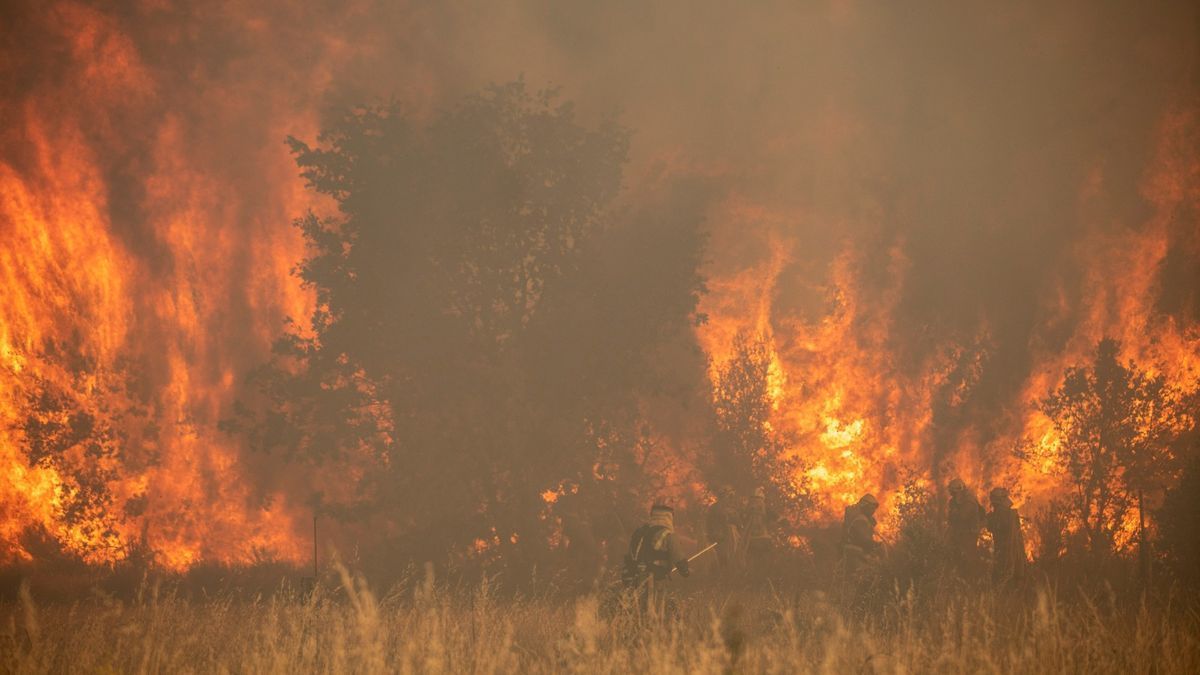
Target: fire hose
675, 566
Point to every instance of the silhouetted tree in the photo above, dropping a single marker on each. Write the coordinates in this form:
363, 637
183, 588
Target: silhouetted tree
1115, 424
748, 451
485, 317
1051, 532
742, 403
1179, 524
919, 559
67, 428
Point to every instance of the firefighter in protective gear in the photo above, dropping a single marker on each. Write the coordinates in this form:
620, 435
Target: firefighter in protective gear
759, 544
860, 550
964, 522
861, 556
721, 526
1008, 545
653, 552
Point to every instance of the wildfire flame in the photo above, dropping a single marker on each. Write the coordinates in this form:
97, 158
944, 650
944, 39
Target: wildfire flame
863, 423
134, 255
145, 191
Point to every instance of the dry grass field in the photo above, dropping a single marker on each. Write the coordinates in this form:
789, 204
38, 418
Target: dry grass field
346, 627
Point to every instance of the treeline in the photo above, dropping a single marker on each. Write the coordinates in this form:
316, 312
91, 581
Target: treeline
504, 341
1126, 453
1127, 450
491, 327
497, 336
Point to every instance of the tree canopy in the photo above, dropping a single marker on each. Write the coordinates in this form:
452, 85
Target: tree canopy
1116, 424
488, 318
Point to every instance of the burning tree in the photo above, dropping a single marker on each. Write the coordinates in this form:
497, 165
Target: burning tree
748, 450
61, 433
1115, 424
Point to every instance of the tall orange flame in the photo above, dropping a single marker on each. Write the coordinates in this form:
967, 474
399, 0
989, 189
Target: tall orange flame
864, 424
145, 190
134, 253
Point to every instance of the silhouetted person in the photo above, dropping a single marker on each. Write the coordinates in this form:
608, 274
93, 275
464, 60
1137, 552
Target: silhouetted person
721, 527
653, 556
860, 550
964, 522
1008, 546
861, 555
758, 535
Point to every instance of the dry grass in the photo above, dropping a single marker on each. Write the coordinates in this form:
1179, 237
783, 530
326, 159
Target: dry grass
350, 629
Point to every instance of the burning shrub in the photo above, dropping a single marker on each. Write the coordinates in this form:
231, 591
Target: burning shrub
918, 559
1116, 423
748, 452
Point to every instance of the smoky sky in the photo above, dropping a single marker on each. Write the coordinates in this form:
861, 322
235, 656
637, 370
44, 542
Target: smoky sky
961, 134
962, 131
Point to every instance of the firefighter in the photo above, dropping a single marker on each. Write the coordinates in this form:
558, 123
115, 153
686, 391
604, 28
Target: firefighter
758, 535
861, 556
860, 549
653, 556
721, 527
1008, 546
964, 522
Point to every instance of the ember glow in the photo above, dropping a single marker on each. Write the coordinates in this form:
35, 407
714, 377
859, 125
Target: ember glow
923, 267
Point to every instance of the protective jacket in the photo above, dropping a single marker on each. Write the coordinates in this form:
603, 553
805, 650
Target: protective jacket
859, 548
964, 518
653, 551
1008, 545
